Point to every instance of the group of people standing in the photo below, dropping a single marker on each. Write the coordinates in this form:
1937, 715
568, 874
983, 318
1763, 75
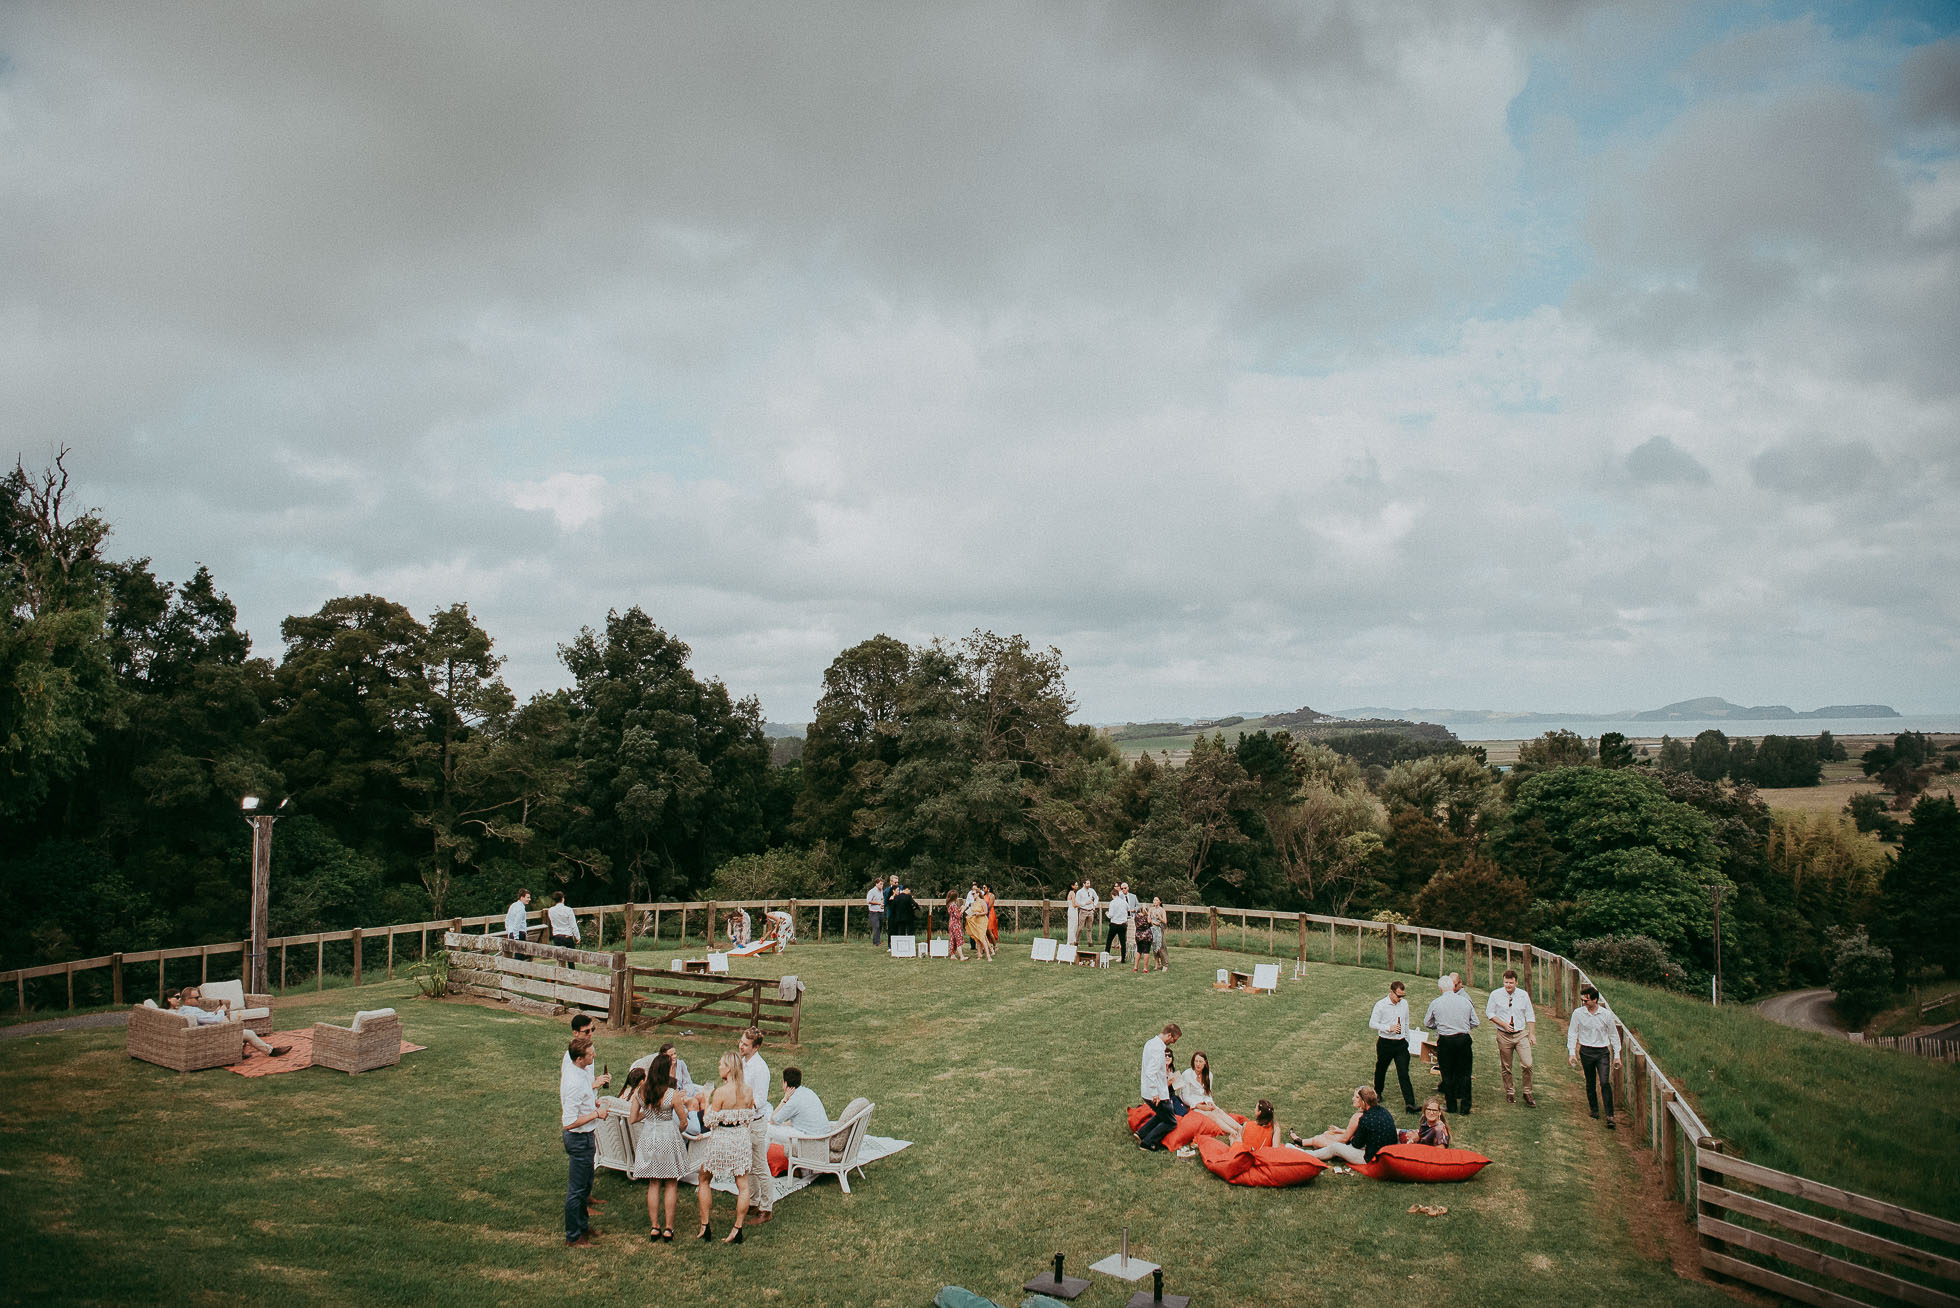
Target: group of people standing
973, 918
697, 1131
1450, 1018
892, 907
1136, 929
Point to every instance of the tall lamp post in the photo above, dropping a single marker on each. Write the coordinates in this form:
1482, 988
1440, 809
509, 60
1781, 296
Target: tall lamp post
255, 958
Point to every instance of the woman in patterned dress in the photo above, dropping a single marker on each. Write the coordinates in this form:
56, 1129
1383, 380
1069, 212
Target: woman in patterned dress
954, 931
659, 1153
730, 1110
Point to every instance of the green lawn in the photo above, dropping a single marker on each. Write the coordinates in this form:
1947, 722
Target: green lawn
441, 1180
1872, 1120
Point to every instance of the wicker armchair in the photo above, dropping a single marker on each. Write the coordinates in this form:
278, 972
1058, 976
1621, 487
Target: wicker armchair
160, 1036
374, 1040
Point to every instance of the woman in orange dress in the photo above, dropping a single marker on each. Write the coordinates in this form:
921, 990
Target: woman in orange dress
993, 916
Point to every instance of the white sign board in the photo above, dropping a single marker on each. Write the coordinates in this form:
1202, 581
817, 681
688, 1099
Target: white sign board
1044, 949
905, 946
1265, 976
1065, 954
718, 963
940, 948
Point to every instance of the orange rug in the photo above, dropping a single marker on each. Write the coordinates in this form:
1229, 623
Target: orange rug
300, 1055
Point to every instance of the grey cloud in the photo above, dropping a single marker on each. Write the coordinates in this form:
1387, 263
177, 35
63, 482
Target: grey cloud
1930, 76
1658, 461
1817, 470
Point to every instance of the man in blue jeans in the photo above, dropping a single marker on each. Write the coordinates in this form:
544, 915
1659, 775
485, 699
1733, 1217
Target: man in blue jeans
579, 1111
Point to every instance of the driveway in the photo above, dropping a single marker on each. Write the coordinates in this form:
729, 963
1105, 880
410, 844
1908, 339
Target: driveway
1808, 1010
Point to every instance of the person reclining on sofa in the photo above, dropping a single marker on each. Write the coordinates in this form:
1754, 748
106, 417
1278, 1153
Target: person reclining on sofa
189, 1000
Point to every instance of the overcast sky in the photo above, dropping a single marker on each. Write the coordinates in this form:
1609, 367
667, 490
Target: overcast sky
1534, 355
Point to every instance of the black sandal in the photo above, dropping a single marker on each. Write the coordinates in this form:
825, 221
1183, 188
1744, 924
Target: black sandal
667, 1235
707, 1231
733, 1237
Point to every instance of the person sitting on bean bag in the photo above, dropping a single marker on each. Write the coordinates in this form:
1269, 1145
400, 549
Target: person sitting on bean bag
1371, 1127
1193, 1086
1434, 1128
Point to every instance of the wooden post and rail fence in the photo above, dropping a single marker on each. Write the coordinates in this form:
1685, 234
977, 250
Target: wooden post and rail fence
1837, 1248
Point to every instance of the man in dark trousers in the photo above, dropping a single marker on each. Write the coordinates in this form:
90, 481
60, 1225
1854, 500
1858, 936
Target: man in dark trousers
1391, 1023
1593, 1039
900, 909
1156, 1087
1451, 1016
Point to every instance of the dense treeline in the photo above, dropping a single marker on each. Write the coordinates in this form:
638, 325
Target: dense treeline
134, 717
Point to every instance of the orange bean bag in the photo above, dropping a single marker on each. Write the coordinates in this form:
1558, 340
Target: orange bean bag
1258, 1164
1430, 1163
1138, 1116
1280, 1166
1192, 1125
1226, 1161
778, 1160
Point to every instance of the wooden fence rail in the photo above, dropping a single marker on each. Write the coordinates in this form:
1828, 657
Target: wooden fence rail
658, 997
1940, 1051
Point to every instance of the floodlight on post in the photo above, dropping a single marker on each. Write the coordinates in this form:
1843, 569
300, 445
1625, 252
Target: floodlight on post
255, 954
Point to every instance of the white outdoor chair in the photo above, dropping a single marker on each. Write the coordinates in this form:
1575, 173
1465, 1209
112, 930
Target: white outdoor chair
612, 1141
834, 1151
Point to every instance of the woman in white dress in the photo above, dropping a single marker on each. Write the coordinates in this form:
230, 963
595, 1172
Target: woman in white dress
659, 1153
730, 1110
1194, 1088
1074, 914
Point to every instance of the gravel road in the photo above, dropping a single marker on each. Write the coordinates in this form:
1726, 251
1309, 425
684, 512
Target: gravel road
1809, 1010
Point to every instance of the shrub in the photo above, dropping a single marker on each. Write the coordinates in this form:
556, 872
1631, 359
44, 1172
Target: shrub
780, 873
1861, 975
1630, 958
1868, 811
431, 974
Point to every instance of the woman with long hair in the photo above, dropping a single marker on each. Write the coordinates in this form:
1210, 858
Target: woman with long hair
730, 1110
1194, 1088
659, 1153
955, 930
976, 921
1160, 920
993, 920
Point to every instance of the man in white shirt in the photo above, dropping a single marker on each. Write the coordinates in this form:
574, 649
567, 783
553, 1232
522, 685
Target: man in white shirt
1119, 916
1156, 1088
1452, 1016
1391, 1023
1510, 1011
801, 1112
579, 1110
874, 905
517, 917
1592, 1035
1086, 900
755, 1075
564, 922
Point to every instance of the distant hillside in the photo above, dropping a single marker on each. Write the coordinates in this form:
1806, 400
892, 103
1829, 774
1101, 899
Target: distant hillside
1304, 723
1708, 707
1713, 706
785, 730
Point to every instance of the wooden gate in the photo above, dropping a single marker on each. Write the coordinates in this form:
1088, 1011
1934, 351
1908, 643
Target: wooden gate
521, 972
657, 997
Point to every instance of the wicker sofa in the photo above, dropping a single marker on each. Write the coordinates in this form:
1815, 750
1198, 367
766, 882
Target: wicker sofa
373, 1040
168, 1039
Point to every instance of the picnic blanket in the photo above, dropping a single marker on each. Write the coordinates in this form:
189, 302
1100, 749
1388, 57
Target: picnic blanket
873, 1148
300, 1055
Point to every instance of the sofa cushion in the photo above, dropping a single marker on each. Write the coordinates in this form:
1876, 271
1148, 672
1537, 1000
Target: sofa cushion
251, 1014
837, 1144
366, 1015
232, 990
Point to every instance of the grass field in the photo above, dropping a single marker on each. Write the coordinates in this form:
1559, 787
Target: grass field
441, 1180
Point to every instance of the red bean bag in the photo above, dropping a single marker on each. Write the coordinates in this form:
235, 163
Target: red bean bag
1227, 1161
778, 1160
1280, 1166
1138, 1116
1192, 1125
1415, 1162
1377, 1170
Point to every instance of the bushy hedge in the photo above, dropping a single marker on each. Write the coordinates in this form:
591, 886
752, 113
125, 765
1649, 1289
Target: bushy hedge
1631, 958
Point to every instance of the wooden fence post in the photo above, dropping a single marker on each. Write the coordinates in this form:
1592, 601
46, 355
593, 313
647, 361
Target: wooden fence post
282, 967
115, 979
683, 935
1269, 932
204, 963
711, 924
621, 1009
1670, 1161
1214, 928
391, 953
1703, 1177
320, 962
626, 921
159, 978
1044, 915
656, 926
796, 1016
357, 955
755, 1004
1241, 931
22, 987
1391, 932
1302, 921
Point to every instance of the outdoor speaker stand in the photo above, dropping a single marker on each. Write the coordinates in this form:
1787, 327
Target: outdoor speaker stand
1155, 1296
1055, 1285
1122, 1266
